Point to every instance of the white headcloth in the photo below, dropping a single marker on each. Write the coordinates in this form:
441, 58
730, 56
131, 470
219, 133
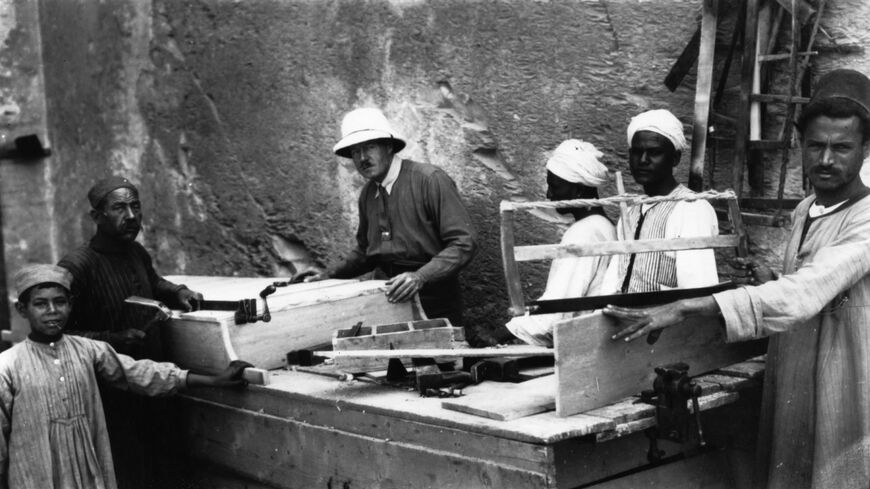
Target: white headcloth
659, 121
577, 162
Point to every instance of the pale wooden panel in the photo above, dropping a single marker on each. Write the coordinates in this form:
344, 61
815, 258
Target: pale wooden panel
206, 340
593, 370
552, 251
505, 401
292, 454
506, 351
324, 400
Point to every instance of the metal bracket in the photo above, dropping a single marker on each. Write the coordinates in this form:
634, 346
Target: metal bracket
672, 390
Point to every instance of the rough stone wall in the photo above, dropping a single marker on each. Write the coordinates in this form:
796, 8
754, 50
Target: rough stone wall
226, 111
26, 211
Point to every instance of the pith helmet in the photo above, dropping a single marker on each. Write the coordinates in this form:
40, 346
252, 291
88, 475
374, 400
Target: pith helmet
362, 125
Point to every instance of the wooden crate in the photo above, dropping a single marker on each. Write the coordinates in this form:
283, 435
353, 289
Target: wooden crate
429, 333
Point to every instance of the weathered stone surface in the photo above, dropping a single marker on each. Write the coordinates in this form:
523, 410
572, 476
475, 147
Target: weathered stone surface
226, 113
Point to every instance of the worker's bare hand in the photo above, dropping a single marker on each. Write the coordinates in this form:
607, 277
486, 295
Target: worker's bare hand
232, 375
749, 272
402, 287
640, 322
126, 337
312, 275
186, 298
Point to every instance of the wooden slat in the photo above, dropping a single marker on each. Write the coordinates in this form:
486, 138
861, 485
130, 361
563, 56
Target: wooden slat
703, 88
551, 251
684, 62
784, 56
747, 72
775, 97
593, 370
511, 271
506, 401
507, 351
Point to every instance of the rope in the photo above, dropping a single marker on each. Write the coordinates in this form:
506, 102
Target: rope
630, 199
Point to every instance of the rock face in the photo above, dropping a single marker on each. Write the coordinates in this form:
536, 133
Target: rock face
225, 112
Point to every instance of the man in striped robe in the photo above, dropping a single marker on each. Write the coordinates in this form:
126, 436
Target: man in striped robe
656, 142
815, 420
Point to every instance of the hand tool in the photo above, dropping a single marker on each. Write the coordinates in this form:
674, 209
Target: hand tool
163, 312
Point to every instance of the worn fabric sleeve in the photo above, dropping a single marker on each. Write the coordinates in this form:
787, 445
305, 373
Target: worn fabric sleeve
6, 403
454, 227
695, 268
80, 290
145, 377
777, 306
164, 290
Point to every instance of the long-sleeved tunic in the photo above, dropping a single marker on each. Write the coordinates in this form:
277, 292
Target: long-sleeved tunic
420, 225
52, 430
104, 274
815, 425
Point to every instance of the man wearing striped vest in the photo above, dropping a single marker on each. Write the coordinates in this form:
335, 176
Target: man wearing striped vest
656, 142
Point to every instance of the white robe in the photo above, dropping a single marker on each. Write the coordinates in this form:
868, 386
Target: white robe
815, 424
569, 277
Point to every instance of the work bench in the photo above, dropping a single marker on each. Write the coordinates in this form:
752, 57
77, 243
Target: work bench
307, 430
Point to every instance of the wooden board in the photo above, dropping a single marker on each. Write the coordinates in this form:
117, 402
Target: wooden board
505, 401
593, 370
303, 316
505, 351
703, 89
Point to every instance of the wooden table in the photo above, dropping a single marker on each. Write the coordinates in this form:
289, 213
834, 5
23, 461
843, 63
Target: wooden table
306, 430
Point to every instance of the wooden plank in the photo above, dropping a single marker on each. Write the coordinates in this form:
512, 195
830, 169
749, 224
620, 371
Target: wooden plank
703, 89
256, 376
747, 370
505, 401
287, 453
352, 405
638, 423
511, 271
505, 351
684, 62
551, 251
206, 341
593, 370
741, 137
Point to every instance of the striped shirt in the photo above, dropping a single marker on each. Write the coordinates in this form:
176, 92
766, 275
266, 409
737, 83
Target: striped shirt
52, 429
652, 272
105, 272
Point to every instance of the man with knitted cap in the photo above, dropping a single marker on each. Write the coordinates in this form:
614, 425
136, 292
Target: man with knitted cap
656, 143
573, 172
815, 419
107, 270
413, 227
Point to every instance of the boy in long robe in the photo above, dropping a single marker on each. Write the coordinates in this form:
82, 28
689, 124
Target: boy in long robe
52, 428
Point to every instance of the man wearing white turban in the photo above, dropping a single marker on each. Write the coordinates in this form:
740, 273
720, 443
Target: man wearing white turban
573, 172
656, 143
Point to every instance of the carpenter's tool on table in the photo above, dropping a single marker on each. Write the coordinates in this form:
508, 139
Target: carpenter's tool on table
159, 307
672, 390
433, 382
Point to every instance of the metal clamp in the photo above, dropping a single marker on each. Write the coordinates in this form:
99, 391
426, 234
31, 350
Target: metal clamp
672, 390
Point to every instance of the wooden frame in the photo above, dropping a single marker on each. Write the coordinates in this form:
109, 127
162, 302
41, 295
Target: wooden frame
512, 254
